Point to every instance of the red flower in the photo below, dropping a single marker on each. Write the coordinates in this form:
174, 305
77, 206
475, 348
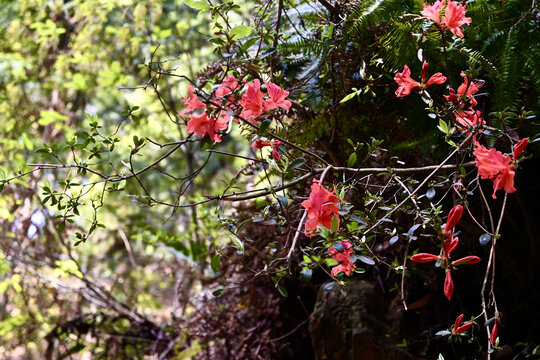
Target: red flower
453, 217
469, 118
448, 285
346, 265
227, 86
320, 208
203, 125
192, 102
424, 257
433, 12
259, 144
405, 82
459, 327
494, 332
520, 146
467, 260
492, 164
252, 101
454, 17
437, 78
450, 245
277, 97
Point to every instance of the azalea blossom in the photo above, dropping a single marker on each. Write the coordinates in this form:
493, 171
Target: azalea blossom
206, 126
460, 326
454, 17
259, 144
435, 79
343, 258
433, 12
277, 97
453, 217
469, 118
449, 245
252, 101
448, 285
321, 208
466, 89
192, 103
406, 83
227, 86
492, 164
520, 146
494, 332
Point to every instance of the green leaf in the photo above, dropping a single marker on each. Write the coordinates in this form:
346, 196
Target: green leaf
297, 162
241, 31
352, 160
217, 292
264, 125
282, 291
215, 263
335, 223
197, 4
348, 97
47, 117
366, 259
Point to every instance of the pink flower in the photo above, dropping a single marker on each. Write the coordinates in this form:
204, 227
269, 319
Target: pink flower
343, 258
227, 86
320, 208
520, 146
203, 125
259, 144
277, 97
459, 327
405, 82
469, 89
192, 103
224, 91
492, 164
435, 79
252, 101
433, 12
454, 17
469, 118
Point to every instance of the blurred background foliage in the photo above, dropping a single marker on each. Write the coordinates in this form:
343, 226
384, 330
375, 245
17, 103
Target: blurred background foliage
106, 271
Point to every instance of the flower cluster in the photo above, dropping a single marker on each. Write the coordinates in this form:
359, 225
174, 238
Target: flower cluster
343, 257
204, 121
499, 168
449, 244
453, 19
321, 209
259, 144
254, 104
406, 83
